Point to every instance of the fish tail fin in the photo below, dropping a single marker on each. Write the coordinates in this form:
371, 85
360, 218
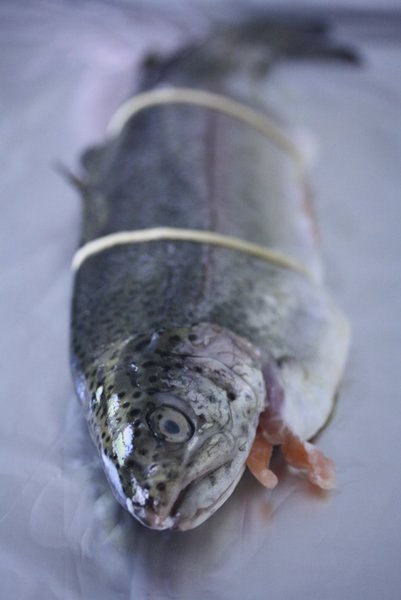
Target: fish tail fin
254, 46
293, 37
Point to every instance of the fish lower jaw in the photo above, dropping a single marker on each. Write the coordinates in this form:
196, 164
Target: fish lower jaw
183, 522
158, 522
161, 518
176, 517
150, 518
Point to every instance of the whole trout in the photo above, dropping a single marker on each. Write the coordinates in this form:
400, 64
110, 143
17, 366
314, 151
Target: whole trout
192, 359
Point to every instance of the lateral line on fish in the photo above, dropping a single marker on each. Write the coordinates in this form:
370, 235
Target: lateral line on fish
199, 236
233, 108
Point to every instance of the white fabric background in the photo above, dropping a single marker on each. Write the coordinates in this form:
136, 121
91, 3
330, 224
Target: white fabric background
62, 536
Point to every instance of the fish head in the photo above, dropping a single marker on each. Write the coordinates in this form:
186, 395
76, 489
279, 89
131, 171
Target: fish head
178, 422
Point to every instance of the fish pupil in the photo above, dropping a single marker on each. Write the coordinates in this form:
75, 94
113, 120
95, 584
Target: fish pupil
171, 427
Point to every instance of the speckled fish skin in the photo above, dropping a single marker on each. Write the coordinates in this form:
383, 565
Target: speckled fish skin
177, 346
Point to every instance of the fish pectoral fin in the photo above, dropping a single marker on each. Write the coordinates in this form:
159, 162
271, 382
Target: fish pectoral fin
259, 459
305, 456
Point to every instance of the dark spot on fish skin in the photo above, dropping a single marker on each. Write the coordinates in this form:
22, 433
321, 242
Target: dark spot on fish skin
172, 475
137, 394
103, 435
231, 396
106, 452
161, 486
212, 479
199, 369
121, 395
174, 338
138, 433
108, 439
192, 337
148, 363
142, 345
134, 412
125, 405
143, 452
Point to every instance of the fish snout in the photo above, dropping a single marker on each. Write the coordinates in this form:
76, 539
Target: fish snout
204, 478
158, 520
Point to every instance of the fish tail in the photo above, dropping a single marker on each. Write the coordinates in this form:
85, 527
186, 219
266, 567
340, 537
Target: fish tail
254, 46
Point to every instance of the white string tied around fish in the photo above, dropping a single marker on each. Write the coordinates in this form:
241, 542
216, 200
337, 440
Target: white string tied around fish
218, 103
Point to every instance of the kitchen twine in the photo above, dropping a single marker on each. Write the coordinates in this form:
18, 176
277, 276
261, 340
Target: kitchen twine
221, 104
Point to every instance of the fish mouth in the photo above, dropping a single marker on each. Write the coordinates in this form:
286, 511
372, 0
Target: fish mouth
169, 517
184, 522
179, 515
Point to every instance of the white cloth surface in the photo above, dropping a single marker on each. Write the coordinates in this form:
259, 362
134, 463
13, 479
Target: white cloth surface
62, 536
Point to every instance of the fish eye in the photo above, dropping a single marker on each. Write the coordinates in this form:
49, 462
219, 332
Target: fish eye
170, 424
